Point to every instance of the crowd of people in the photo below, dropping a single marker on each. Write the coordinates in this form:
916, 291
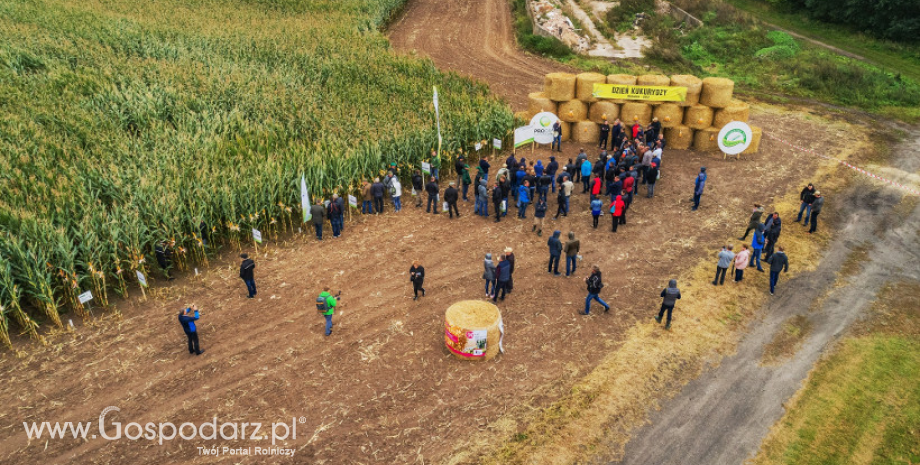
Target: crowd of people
610, 183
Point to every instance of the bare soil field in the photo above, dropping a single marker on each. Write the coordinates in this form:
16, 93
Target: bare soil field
382, 388
476, 39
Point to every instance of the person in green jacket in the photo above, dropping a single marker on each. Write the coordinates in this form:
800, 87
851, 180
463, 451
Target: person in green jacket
466, 181
327, 299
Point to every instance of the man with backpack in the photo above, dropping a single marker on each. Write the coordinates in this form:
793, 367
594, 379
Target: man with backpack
246, 274
669, 296
417, 181
325, 305
595, 284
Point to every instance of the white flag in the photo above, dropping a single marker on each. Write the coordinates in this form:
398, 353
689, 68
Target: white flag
305, 199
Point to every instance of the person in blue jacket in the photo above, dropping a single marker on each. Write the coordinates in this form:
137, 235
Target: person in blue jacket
586, 168
504, 276
699, 185
187, 318
555, 251
757, 244
523, 199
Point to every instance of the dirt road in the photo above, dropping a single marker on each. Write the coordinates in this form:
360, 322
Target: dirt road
723, 416
474, 38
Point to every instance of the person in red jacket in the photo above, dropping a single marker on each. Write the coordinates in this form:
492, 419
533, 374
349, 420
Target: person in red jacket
595, 187
629, 185
617, 212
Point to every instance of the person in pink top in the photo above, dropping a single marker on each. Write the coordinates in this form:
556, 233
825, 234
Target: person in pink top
741, 262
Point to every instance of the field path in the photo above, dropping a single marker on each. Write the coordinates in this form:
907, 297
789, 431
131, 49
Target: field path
473, 38
723, 416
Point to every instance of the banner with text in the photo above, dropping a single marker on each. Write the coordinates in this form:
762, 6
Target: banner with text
649, 93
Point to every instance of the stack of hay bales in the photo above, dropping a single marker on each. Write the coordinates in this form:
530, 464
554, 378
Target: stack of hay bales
472, 330
694, 123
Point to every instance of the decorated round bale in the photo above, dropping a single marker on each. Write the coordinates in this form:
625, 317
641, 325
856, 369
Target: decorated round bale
573, 111
653, 80
473, 330
717, 92
559, 87
679, 137
698, 117
538, 102
706, 140
621, 80
736, 110
566, 131
585, 131
584, 86
694, 86
669, 114
633, 112
603, 110
756, 134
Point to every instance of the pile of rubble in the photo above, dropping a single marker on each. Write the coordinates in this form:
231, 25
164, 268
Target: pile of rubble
549, 17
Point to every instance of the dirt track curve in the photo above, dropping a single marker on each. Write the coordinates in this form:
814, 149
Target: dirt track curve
473, 38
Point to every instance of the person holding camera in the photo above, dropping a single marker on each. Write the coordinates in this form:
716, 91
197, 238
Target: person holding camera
187, 318
417, 276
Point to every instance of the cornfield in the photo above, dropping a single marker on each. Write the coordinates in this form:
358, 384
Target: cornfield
127, 123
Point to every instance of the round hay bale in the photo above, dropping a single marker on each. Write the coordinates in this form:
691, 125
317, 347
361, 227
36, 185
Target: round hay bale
698, 117
573, 111
566, 131
585, 131
622, 80
559, 87
706, 140
679, 137
584, 85
538, 101
735, 111
604, 110
632, 112
653, 80
756, 134
717, 92
471, 330
524, 116
669, 114
694, 86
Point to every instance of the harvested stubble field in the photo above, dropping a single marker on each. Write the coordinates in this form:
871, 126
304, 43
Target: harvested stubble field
383, 389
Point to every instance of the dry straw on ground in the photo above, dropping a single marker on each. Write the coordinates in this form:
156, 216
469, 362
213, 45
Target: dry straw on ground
621, 80
559, 87
679, 137
573, 111
632, 112
476, 315
584, 87
669, 114
717, 92
735, 111
538, 101
698, 117
706, 140
585, 131
693, 84
603, 110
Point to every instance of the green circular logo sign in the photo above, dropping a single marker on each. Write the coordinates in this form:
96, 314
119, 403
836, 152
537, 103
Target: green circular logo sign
735, 137
545, 121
